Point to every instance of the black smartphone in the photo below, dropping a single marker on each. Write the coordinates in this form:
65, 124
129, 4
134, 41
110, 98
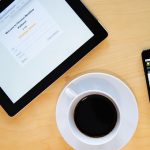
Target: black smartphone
146, 64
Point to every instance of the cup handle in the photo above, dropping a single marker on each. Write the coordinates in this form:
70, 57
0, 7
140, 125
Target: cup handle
71, 93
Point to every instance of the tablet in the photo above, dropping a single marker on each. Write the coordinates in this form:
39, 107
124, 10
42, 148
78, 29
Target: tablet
40, 40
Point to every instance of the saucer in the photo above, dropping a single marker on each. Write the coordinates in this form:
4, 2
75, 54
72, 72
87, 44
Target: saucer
108, 84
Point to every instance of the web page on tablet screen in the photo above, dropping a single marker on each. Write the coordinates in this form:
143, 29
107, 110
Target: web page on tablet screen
36, 36
28, 33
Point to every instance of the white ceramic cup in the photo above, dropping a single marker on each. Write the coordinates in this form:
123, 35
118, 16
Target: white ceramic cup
76, 132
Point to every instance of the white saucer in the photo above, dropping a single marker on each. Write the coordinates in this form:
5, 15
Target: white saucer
111, 85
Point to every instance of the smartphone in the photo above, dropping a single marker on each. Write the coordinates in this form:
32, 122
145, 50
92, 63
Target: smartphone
146, 64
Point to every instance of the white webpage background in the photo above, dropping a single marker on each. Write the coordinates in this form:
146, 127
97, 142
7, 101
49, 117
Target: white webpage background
29, 32
16, 80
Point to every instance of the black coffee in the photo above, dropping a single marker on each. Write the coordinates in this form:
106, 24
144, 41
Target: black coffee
95, 116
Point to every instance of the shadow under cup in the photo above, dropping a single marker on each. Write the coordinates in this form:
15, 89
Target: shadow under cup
75, 111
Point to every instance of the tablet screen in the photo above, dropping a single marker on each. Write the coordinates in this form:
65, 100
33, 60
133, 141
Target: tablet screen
36, 37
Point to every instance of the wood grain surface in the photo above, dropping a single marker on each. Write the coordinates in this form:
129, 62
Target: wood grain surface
128, 25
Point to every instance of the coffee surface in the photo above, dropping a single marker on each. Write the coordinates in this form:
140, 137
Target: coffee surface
95, 115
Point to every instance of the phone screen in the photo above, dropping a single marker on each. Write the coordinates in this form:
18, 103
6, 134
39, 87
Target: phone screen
146, 63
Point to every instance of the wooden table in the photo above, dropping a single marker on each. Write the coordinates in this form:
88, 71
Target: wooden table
128, 24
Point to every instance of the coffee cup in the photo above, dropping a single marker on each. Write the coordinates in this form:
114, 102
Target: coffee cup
84, 115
